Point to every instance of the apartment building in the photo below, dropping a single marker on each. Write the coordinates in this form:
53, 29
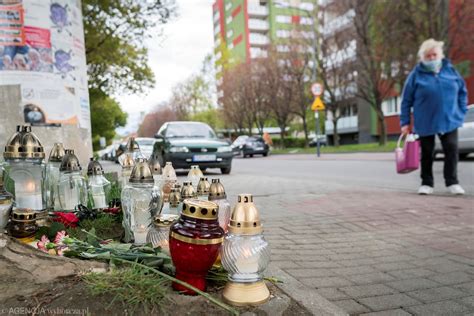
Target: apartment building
243, 29
358, 122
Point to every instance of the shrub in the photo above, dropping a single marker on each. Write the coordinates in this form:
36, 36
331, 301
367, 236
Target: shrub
289, 142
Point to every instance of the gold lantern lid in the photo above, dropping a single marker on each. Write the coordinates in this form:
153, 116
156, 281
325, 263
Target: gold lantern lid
57, 153
155, 166
165, 220
200, 209
128, 162
23, 145
175, 197
188, 192
141, 173
216, 191
94, 168
23, 215
245, 219
70, 162
195, 171
203, 186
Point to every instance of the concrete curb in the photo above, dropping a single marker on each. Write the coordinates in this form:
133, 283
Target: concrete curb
307, 297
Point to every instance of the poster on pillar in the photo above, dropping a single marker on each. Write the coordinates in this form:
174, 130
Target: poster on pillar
42, 50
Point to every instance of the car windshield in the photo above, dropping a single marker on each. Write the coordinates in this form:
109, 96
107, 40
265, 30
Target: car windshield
190, 130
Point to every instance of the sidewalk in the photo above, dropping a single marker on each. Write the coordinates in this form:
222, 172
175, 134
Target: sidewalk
378, 252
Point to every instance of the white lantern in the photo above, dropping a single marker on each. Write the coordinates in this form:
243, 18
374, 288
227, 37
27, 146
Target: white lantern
203, 189
140, 202
98, 185
52, 176
194, 175
72, 187
24, 156
217, 195
245, 255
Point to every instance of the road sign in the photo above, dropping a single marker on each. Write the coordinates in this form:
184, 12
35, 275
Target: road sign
317, 89
317, 105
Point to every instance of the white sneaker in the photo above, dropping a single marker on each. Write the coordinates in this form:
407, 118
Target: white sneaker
425, 190
456, 189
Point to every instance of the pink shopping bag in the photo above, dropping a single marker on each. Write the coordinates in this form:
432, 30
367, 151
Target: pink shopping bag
408, 158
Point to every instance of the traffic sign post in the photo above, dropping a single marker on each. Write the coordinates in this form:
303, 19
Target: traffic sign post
317, 91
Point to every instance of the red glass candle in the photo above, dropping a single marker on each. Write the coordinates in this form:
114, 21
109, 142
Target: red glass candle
195, 240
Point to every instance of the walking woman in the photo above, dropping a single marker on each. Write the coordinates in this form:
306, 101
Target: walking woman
438, 96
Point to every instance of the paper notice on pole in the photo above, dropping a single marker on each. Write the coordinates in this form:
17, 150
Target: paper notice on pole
42, 50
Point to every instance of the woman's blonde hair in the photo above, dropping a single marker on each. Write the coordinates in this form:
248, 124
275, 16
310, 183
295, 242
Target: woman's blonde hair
430, 44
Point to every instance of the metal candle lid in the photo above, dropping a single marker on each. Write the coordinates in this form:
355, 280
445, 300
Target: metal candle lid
23, 145
155, 166
200, 209
187, 192
165, 220
57, 153
23, 215
94, 168
128, 162
195, 171
245, 219
175, 197
216, 190
141, 173
70, 162
203, 186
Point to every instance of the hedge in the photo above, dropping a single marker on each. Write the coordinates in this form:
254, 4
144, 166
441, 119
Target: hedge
289, 142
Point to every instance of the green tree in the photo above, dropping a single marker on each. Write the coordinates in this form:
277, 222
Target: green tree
115, 33
108, 116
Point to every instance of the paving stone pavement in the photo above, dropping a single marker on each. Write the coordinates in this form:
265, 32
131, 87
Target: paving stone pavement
370, 252
368, 249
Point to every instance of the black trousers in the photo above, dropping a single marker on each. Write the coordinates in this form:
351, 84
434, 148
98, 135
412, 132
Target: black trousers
449, 142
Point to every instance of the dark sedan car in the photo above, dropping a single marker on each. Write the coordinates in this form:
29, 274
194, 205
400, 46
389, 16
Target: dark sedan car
254, 146
192, 143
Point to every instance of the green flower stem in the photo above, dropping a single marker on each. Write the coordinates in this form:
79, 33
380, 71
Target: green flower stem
204, 294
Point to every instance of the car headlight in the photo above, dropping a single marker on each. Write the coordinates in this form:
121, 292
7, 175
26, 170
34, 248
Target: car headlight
224, 149
180, 149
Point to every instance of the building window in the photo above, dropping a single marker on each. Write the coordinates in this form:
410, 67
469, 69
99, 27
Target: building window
308, 6
230, 33
283, 33
306, 21
283, 19
217, 29
228, 20
283, 48
391, 106
228, 6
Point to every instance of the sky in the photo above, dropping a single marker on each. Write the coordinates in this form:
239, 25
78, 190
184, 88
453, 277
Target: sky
173, 56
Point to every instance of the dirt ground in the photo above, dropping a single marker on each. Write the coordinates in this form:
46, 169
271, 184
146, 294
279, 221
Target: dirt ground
34, 283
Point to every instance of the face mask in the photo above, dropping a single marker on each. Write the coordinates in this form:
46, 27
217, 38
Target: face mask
432, 65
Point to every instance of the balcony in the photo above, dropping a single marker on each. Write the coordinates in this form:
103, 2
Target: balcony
256, 39
258, 25
257, 11
348, 124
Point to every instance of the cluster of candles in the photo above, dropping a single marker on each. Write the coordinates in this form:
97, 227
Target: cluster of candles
194, 223
32, 188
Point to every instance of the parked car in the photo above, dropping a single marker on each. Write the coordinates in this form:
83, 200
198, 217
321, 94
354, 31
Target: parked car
146, 145
254, 146
192, 143
465, 135
237, 145
322, 141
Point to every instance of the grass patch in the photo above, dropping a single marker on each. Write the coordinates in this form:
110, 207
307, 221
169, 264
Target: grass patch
136, 288
106, 226
371, 147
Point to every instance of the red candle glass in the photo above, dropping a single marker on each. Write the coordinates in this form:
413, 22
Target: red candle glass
195, 240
